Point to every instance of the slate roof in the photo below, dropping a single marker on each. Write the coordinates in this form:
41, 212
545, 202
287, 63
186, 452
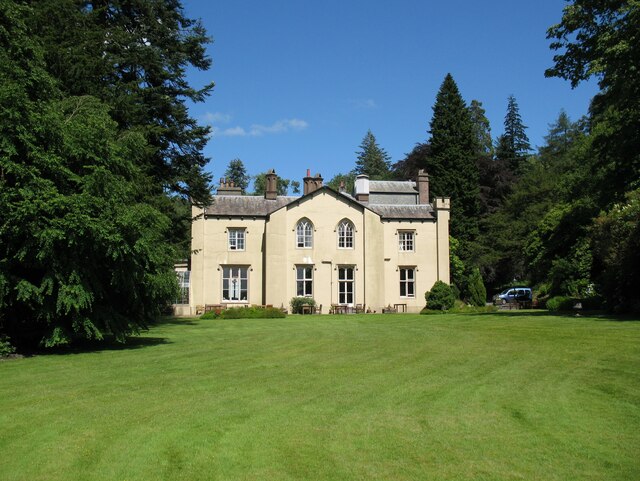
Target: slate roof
393, 186
258, 206
407, 212
246, 205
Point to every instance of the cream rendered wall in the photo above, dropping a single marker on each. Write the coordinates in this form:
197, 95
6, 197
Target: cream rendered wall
211, 246
424, 258
443, 206
325, 210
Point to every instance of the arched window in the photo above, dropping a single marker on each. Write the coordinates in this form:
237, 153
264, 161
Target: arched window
345, 235
304, 234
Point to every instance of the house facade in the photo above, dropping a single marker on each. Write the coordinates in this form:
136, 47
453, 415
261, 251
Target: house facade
385, 245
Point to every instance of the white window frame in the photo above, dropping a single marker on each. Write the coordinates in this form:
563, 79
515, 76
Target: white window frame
236, 291
304, 280
408, 283
237, 238
304, 234
183, 286
346, 285
345, 234
407, 240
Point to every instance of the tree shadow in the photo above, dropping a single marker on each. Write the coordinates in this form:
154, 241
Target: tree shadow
178, 321
587, 315
109, 343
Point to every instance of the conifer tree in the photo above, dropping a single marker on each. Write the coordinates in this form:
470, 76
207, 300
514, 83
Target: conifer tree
513, 145
372, 159
452, 160
237, 173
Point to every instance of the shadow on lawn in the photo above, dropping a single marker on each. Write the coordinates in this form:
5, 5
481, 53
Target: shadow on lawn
587, 315
108, 344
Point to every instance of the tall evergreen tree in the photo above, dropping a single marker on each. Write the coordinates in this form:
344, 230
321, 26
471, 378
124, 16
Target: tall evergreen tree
513, 145
133, 55
237, 173
452, 160
372, 160
82, 255
481, 128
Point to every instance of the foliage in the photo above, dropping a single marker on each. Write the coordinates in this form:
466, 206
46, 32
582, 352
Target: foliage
133, 55
481, 128
616, 236
348, 180
260, 185
6, 349
561, 303
477, 291
513, 145
440, 297
249, 313
602, 39
237, 173
82, 255
372, 159
452, 161
297, 303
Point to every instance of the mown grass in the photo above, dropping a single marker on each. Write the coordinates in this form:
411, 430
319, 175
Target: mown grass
506, 396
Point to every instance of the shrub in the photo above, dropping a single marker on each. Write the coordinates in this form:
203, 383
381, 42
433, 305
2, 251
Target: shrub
298, 302
251, 313
245, 313
440, 297
477, 291
561, 303
6, 349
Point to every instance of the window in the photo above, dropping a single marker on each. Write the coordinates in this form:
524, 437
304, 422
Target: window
183, 285
235, 283
346, 283
345, 235
407, 282
236, 239
405, 239
304, 281
304, 234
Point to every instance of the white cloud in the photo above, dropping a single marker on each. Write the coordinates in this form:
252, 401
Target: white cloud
217, 118
233, 132
257, 130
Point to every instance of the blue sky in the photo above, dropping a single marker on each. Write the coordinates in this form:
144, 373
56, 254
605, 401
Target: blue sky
298, 84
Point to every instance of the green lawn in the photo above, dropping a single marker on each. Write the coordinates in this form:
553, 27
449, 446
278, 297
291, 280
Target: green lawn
508, 396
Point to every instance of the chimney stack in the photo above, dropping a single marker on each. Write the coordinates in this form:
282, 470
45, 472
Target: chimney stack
362, 188
271, 187
311, 184
422, 183
228, 188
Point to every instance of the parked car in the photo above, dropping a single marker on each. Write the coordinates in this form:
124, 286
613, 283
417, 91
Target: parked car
513, 294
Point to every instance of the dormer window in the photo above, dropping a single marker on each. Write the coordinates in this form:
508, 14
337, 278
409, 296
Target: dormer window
345, 235
304, 234
236, 239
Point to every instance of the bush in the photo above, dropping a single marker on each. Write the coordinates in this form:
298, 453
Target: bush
245, 313
6, 349
298, 302
561, 303
440, 297
477, 291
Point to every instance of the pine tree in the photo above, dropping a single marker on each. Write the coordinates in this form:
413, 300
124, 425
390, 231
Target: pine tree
237, 173
513, 145
452, 161
372, 159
